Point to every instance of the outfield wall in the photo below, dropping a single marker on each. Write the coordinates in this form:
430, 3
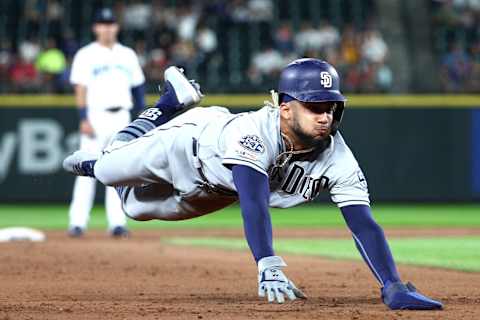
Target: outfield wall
411, 148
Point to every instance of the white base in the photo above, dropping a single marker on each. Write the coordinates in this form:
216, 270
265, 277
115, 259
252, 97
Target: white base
21, 234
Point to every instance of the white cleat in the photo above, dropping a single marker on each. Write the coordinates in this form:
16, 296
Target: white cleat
80, 163
187, 92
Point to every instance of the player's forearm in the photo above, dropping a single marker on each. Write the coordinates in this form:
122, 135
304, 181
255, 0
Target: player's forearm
253, 191
81, 100
371, 242
138, 97
80, 96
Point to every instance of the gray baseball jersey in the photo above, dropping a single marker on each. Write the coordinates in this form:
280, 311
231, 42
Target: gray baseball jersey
182, 168
253, 139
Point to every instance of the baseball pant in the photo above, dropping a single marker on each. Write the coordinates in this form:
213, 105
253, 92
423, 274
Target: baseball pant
105, 125
156, 174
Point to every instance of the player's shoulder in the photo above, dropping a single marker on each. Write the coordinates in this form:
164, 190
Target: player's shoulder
87, 49
265, 115
125, 49
342, 154
261, 119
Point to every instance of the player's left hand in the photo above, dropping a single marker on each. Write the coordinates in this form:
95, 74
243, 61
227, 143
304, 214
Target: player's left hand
273, 282
397, 295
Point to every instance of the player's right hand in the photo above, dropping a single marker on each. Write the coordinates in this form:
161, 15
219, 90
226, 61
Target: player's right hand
86, 128
273, 283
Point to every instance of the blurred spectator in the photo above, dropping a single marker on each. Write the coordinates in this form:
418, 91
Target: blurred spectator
164, 36
52, 60
384, 78
328, 34
23, 75
374, 49
163, 15
187, 22
54, 14
283, 38
266, 65
183, 54
239, 11
156, 64
349, 47
474, 82
310, 38
70, 45
33, 10
6, 60
456, 66
260, 10
141, 51
206, 39
51, 63
137, 15
29, 49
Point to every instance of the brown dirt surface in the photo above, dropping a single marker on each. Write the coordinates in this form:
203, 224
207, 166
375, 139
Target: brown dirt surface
142, 278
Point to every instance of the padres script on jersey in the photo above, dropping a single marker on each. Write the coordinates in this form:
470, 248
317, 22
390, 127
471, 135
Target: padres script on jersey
253, 139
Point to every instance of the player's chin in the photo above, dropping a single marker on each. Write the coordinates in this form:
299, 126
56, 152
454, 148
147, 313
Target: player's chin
321, 134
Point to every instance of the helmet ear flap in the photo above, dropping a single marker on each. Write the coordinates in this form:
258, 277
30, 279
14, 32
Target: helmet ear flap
337, 116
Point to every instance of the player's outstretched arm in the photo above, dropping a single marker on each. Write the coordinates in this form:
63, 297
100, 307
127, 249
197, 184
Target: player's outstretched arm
254, 193
372, 244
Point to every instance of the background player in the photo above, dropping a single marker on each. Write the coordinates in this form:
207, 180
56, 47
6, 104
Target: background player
283, 155
106, 76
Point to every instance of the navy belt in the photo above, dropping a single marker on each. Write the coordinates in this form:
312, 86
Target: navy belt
114, 109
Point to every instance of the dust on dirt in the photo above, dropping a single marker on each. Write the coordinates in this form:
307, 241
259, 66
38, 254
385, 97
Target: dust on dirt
143, 278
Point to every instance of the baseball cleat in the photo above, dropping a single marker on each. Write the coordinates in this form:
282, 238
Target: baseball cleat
187, 91
120, 232
75, 232
80, 163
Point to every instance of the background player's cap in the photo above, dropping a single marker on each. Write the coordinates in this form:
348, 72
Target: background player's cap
104, 15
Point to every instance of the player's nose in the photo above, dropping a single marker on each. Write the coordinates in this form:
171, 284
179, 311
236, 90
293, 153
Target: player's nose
322, 117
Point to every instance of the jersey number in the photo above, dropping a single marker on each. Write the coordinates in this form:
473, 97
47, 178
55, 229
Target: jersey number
151, 114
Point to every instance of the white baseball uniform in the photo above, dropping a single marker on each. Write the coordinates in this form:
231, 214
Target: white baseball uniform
108, 74
181, 169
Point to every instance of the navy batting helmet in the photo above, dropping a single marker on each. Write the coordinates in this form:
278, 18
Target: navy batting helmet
313, 80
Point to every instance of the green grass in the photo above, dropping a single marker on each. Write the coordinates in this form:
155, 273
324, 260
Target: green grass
460, 253
50, 217
453, 252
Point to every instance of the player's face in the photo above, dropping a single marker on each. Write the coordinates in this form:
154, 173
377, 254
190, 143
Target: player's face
106, 32
312, 122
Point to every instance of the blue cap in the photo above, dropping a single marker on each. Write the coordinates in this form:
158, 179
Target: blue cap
104, 15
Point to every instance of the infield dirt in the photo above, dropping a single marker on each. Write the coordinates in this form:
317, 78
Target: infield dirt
143, 278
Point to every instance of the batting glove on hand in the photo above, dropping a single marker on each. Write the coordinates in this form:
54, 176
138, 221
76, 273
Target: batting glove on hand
397, 295
273, 282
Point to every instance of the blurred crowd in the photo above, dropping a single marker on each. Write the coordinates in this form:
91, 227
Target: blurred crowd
457, 24
191, 34
359, 55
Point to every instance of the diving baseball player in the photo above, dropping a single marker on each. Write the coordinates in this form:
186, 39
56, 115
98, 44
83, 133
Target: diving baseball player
107, 77
283, 155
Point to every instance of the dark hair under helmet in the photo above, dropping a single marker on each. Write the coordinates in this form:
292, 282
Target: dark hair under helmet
313, 80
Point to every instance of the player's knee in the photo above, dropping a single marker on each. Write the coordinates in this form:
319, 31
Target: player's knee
138, 216
103, 173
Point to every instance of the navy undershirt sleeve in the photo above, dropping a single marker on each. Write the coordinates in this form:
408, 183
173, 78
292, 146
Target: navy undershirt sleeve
371, 242
138, 97
254, 193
